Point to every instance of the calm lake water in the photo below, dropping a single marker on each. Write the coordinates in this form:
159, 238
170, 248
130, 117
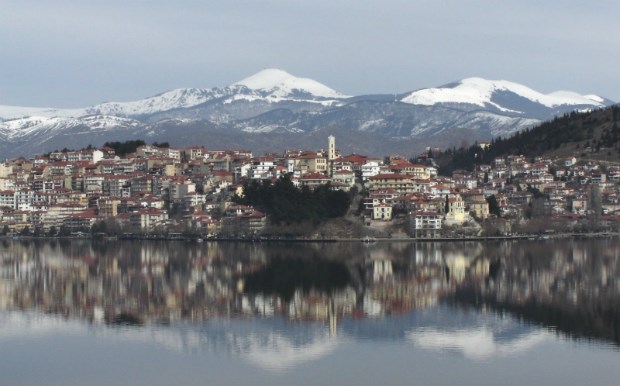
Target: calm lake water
172, 313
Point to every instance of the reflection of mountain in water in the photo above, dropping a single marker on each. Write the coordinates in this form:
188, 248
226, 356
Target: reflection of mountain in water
348, 288
478, 344
278, 344
572, 287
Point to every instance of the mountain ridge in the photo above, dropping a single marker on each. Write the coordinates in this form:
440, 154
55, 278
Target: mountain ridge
274, 101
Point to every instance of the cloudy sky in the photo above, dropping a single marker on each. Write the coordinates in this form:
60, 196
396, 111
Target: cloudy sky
75, 53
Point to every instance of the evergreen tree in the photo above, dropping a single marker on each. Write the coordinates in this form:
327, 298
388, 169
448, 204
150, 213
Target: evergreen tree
284, 203
493, 205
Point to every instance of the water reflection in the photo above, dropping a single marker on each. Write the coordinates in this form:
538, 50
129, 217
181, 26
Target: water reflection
478, 344
572, 287
273, 302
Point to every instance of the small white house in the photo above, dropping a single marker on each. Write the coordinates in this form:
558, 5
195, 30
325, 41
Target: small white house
570, 161
382, 212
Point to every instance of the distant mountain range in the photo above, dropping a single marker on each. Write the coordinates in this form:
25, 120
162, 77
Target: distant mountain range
273, 110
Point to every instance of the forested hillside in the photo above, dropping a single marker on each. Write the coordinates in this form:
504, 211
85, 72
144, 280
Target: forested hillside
594, 134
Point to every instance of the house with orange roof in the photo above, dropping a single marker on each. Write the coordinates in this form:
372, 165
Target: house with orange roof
312, 180
80, 221
344, 177
403, 184
382, 212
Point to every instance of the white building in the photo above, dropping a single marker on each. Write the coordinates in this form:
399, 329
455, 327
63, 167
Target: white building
371, 168
382, 212
425, 224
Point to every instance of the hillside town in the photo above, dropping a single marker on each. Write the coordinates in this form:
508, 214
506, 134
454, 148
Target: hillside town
162, 191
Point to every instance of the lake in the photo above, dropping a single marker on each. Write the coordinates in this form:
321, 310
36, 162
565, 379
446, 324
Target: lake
77, 312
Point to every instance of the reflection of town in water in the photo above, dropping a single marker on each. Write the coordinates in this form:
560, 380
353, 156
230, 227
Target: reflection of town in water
130, 282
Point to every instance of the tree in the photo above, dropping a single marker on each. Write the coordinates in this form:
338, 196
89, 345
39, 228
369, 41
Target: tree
494, 205
123, 148
595, 200
595, 203
584, 129
284, 203
64, 231
537, 207
25, 231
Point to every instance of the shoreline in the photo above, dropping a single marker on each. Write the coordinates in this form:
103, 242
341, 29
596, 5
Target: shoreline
365, 240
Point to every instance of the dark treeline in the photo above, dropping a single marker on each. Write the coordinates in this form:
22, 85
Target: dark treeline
123, 148
282, 276
586, 130
598, 319
285, 204
126, 147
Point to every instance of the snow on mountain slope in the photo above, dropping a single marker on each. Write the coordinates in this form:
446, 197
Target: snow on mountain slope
26, 127
14, 112
572, 98
179, 98
480, 92
595, 98
273, 86
280, 84
175, 99
268, 86
276, 101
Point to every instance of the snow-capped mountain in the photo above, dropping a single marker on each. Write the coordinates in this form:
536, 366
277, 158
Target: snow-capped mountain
280, 85
270, 85
274, 102
38, 126
176, 99
503, 96
478, 91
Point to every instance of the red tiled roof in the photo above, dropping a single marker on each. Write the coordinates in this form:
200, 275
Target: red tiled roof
314, 176
387, 176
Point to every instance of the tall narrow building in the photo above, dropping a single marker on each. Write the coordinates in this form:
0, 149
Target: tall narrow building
331, 148
331, 152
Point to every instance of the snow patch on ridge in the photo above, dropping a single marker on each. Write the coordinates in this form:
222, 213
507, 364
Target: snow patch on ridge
594, 98
280, 84
179, 98
15, 112
478, 91
268, 85
24, 127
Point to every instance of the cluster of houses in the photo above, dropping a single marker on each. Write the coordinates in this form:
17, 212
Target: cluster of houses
153, 190
567, 188
414, 190
165, 190
564, 189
